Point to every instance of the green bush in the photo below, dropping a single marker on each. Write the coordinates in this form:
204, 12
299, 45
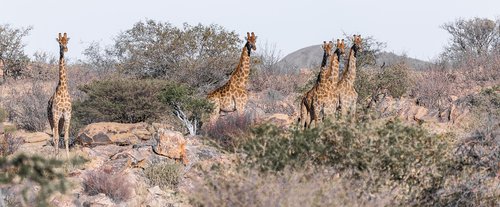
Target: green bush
120, 100
38, 170
186, 106
165, 175
389, 152
394, 81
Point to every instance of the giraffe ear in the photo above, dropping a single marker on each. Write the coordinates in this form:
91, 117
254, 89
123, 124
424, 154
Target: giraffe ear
60, 35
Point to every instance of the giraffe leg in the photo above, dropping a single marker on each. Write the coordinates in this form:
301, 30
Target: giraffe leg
55, 134
240, 105
67, 119
304, 114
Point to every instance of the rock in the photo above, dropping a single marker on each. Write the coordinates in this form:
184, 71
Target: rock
99, 200
34, 137
170, 144
280, 120
104, 133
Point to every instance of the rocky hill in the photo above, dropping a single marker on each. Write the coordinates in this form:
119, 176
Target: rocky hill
310, 57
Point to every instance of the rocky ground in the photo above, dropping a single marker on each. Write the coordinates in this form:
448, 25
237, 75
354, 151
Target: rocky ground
126, 150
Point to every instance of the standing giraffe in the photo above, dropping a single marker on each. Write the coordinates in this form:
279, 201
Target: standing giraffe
346, 91
326, 100
59, 106
233, 96
306, 110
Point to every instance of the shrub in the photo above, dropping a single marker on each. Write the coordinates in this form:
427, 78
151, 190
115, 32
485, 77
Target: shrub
189, 108
114, 185
227, 130
120, 100
28, 109
389, 152
302, 187
164, 175
394, 81
9, 144
37, 170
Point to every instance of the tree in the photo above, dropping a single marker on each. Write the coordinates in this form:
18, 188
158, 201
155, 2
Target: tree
186, 106
371, 48
12, 56
198, 55
471, 38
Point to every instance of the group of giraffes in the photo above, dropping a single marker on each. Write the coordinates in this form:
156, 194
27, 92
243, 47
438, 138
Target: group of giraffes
328, 96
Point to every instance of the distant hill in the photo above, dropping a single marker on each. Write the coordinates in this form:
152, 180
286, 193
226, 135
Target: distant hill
310, 57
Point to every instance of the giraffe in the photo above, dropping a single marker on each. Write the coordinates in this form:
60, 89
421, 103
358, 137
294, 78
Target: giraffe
346, 91
59, 105
306, 113
233, 95
326, 100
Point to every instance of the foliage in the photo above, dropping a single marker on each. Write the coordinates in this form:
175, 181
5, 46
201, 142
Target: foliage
197, 55
165, 175
393, 80
28, 108
471, 38
12, 54
391, 152
188, 107
35, 169
371, 48
307, 186
114, 185
120, 100
226, 131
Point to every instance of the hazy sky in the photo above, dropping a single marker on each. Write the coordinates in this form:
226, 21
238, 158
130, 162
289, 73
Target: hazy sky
410, 27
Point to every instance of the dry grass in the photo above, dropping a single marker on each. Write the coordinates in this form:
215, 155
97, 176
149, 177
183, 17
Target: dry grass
307, 187
114, 185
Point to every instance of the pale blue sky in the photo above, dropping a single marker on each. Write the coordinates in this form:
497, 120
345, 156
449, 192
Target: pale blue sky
410, 27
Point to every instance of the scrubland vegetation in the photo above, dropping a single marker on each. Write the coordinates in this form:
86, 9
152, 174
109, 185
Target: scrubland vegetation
378, 160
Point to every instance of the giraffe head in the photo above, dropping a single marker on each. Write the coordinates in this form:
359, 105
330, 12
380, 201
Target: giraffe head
357, 44
250, 45
340, 47
63, 41
327, 48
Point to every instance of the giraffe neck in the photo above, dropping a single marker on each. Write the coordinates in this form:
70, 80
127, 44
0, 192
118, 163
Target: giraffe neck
240, 76
323, 73
334, 66
63, 80
350, 71
325, 59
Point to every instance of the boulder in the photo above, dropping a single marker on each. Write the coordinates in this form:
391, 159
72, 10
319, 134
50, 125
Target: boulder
34, 137
171, 144
104, 133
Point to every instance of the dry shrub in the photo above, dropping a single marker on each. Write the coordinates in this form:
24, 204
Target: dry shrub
9, 144
114, 185
307, 187
27, 107
164, 175
228, 129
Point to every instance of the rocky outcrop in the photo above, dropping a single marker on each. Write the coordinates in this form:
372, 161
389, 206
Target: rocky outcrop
171, 144
104, 133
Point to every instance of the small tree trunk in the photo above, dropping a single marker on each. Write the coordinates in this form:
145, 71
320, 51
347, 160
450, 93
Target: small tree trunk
191, 125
